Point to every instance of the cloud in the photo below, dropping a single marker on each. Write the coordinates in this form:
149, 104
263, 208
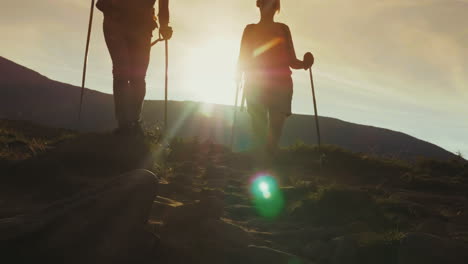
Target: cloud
413, 48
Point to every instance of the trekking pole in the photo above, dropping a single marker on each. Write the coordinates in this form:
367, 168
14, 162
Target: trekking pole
83, 79
166, 77
166, 91
316, 116
166, 85
234, 121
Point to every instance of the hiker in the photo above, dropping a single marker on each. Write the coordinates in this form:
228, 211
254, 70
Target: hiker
128, 27
266, 56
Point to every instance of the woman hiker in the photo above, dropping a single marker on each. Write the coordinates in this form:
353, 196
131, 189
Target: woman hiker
128, 27
266, 56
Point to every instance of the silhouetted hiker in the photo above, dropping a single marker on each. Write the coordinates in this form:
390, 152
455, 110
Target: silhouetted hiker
128, 27
266, 56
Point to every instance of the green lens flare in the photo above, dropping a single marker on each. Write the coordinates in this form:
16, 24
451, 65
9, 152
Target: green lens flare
264, 187
267, 197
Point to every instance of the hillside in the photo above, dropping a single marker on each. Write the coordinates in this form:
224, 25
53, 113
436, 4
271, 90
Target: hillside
27, 95
354, 209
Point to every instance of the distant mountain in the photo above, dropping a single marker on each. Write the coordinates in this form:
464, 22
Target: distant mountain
27, 95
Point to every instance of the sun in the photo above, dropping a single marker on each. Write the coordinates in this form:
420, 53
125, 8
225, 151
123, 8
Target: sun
209, 71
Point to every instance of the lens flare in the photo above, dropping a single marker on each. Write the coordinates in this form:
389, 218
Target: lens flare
267, 46
264, 187
266, 196
206, 109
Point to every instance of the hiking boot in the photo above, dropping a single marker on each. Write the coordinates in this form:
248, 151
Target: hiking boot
132, 129
119, 131
136, 129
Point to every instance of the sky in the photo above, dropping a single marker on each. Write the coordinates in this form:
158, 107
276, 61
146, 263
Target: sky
396, 64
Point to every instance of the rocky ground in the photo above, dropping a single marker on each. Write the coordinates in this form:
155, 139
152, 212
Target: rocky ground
353, 209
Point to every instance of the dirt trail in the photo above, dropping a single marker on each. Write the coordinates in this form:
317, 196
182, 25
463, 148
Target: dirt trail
325, 218
210, 209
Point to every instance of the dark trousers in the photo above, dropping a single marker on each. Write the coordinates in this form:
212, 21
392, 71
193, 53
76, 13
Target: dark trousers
269, 104
129, 48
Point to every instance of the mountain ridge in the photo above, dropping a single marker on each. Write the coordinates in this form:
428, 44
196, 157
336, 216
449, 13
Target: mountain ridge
27, 95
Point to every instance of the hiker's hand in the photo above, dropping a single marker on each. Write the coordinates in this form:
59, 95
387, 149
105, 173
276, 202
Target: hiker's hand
166, 32
308, 60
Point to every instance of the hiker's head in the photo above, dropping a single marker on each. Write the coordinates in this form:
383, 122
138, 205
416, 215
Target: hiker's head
269, 7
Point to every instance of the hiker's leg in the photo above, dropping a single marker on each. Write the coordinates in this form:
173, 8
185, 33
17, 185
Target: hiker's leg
118, 49
279, 108
259, 118
140, 49
276, 125
119, 88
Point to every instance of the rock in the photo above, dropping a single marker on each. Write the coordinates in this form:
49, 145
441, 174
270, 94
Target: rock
161, 206
433, 226
211, 193
307, 234
345, 250
216, 183
219, 172
207, 240
421, 248
292, 193
324, 233
187, 167
213, 203
241, 211
194, 212
461, 217
258, 254
221, 232
303, 210
236, 182
165, 189
184, 179
237, 198
318, 250
358, 227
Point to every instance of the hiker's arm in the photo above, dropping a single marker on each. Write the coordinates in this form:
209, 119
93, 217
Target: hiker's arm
243, 56
163, 13
293, 61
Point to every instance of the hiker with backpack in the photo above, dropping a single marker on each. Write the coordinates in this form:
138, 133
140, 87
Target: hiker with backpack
266, 57
128, 27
